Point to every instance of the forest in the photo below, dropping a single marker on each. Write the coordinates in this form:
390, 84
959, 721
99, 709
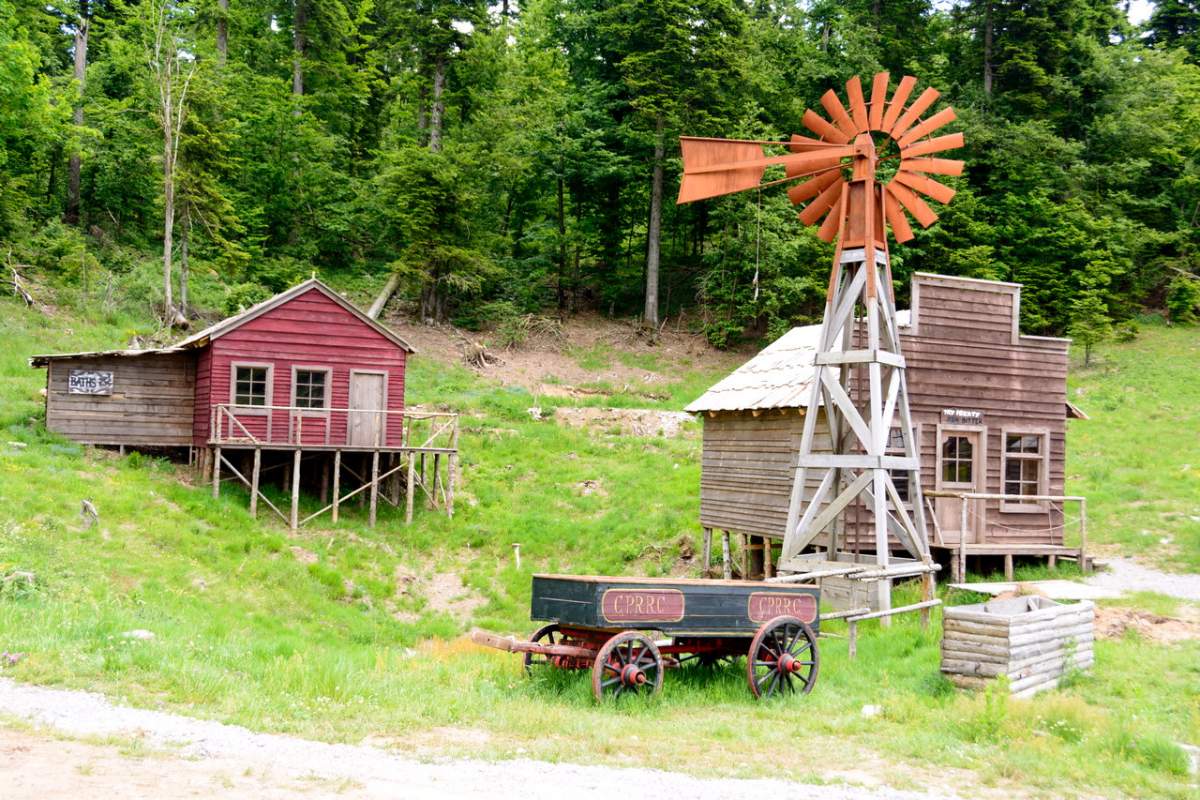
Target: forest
488, 161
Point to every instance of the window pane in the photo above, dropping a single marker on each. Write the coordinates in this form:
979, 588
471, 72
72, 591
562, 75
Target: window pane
964, 472
250, 386
949, 470
950, 447
965, 447
310, 389
1030, 470
1012, 470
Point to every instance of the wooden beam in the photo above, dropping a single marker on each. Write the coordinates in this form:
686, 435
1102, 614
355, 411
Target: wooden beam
295, 518
707, 548
408, 502
726, 563
374, 487
216, 475
337, 483
254, 473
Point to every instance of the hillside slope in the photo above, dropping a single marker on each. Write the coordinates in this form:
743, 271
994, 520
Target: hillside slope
348, 633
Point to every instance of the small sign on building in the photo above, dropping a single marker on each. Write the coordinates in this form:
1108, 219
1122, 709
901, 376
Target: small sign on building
962, 416
87, 381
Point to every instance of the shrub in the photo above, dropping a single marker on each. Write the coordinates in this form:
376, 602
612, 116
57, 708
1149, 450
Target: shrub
1183, 299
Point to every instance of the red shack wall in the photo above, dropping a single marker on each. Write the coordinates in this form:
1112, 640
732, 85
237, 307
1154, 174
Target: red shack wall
308, 331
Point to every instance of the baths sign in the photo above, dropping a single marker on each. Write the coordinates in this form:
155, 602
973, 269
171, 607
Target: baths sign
87, 381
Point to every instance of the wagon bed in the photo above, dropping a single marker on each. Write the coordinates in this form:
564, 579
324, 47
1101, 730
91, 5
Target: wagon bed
600, 623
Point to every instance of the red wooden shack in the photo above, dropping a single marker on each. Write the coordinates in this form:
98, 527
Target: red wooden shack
305, 375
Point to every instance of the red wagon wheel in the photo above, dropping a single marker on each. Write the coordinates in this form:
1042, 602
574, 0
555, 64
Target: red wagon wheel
627, 663
547, 634
783, 658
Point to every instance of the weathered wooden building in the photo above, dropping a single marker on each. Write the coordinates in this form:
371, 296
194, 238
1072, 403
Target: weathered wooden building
303, 375
989, 406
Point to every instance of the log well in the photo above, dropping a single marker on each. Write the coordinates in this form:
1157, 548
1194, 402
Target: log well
1032, 640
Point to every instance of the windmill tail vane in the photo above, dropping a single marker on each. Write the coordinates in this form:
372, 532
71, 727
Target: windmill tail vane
844, 142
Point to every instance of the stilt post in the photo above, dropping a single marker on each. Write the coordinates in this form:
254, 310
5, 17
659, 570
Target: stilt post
726, 563
337, 483
216, 473
374, 486
295, 489
408, 501
707, 548
254, 472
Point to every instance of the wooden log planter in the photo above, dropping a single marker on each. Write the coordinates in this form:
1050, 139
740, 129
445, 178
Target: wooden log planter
1033, 640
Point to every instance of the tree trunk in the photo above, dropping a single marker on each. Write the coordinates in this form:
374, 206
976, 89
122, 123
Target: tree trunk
987, 51
298, 24
437, 110
222, 32
654, 232
562, 241
183, 265
71, 217
168, 201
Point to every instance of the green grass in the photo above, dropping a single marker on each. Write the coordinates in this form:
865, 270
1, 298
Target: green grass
1138, 458
248, 634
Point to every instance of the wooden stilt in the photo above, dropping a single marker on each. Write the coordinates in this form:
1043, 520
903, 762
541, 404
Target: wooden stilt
295, 489
374, 486
451, 475
1052, 561
436, 479
726, 562
1083, 560
1008, 566
852, 647
768, 563
394, 481
707, 548
337, 482
216, 473
408, 501
254, 472
927, 592
745, 540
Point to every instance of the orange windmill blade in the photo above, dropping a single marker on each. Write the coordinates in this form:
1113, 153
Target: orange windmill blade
841, 155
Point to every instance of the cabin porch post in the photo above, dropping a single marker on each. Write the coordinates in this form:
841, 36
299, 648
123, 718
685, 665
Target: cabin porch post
216, 473
295, 489
254, 482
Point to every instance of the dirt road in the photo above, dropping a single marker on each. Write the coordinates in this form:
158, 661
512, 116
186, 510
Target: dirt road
119, 752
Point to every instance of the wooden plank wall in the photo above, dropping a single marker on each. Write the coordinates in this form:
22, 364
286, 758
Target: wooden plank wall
151, 403
964, 353
746, 471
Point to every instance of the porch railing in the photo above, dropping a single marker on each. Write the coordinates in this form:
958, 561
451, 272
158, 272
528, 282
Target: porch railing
231, 424
974, 506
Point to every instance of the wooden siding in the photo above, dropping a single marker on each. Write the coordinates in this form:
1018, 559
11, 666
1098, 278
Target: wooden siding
963, 353
151, 403
746, 472
310, 330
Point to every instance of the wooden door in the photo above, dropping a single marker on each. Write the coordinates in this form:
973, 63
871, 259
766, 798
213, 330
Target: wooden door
367, 427
960, 467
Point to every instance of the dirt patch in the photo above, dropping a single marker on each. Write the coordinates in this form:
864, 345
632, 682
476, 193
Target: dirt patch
447, 593
1112, 623
551, 365
625, 421
304, 556
590, 487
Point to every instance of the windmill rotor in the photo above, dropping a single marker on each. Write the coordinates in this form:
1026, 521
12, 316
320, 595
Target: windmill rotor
817, 164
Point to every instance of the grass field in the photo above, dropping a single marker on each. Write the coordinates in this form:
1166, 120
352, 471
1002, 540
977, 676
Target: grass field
340, 649
1138, 458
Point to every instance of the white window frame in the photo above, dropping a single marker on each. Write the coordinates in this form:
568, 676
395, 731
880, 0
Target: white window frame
262, 411
320, 411
1043, 456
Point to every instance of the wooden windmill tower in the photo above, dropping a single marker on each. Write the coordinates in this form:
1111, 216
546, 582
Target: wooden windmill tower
842, 186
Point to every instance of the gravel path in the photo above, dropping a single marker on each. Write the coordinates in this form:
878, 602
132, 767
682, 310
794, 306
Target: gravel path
1128, 575
361, 771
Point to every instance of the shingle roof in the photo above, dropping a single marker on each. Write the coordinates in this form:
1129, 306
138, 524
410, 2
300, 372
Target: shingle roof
778, 377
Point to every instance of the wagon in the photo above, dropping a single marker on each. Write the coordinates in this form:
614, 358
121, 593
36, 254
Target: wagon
606, 625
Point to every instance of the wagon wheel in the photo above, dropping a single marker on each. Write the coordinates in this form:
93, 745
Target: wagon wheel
783, 658
628, 662
547, 634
